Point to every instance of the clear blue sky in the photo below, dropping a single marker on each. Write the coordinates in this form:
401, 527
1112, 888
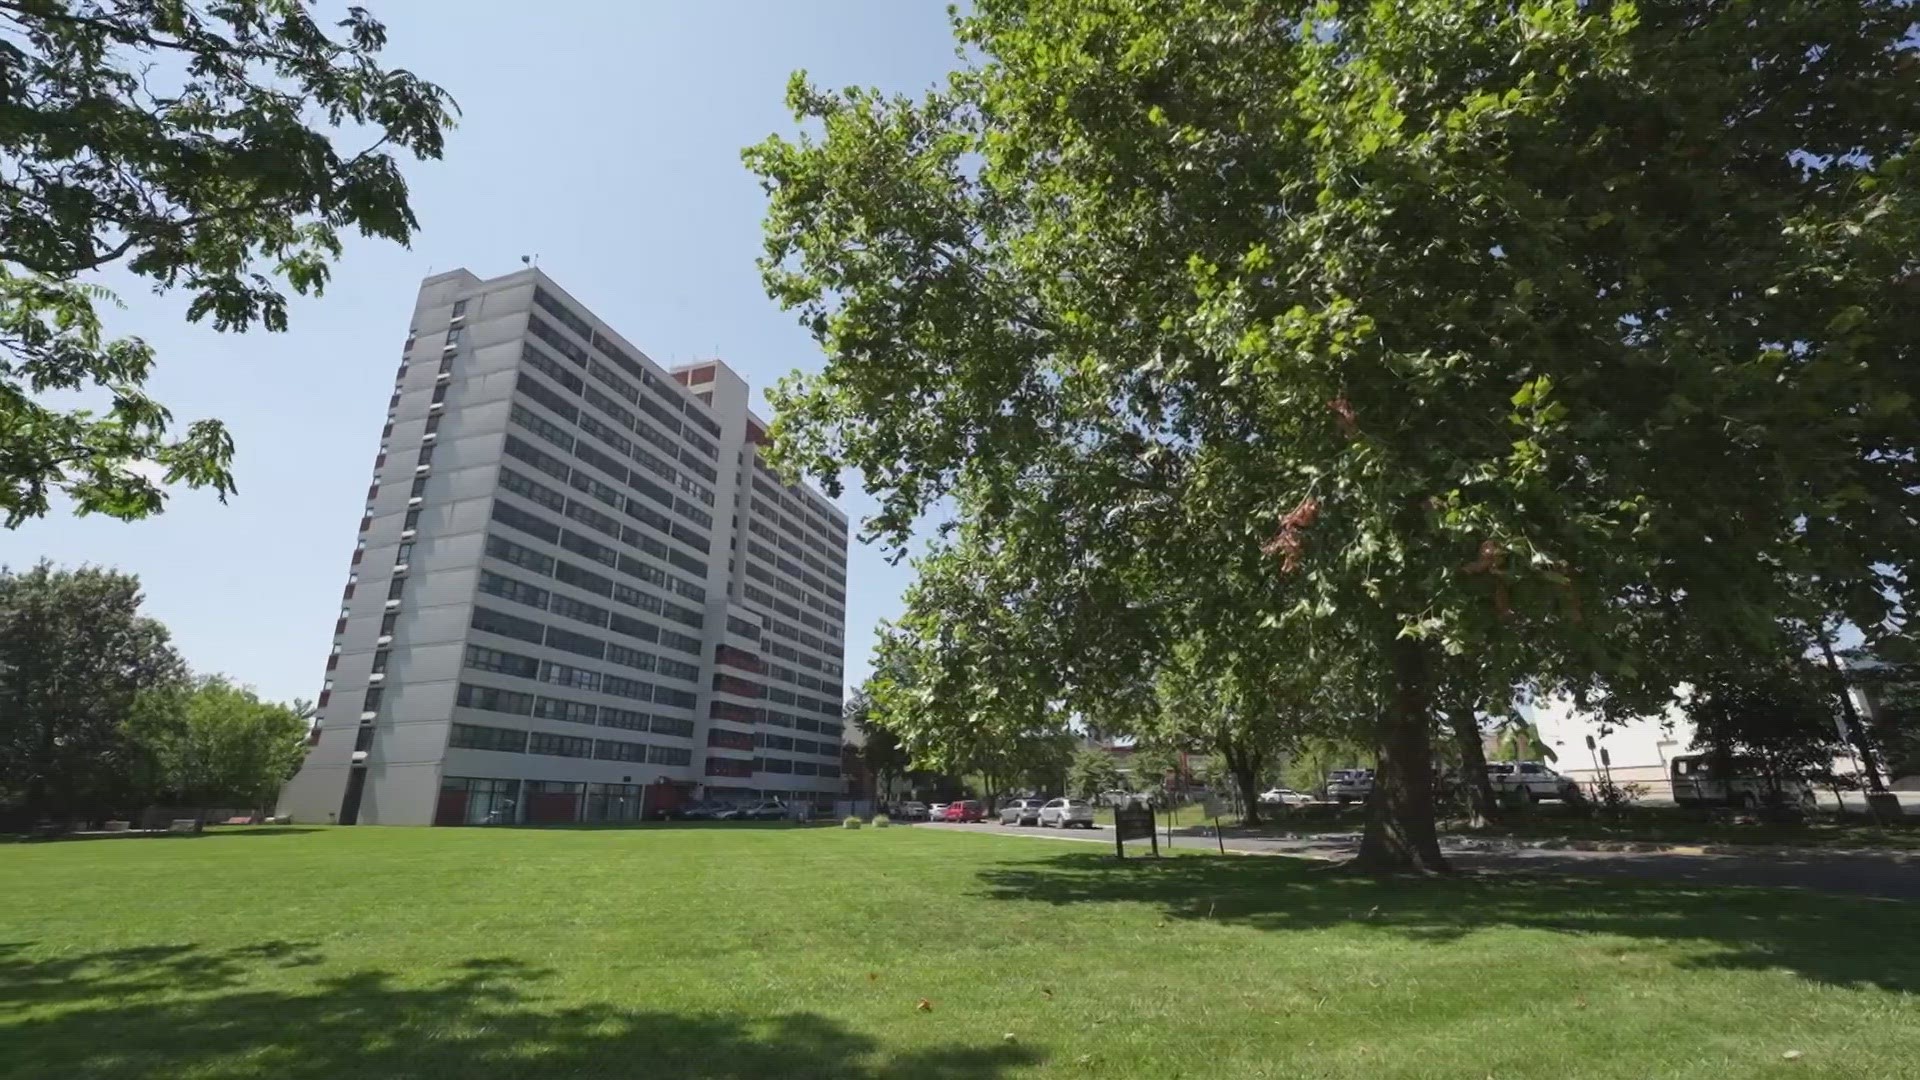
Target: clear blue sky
603, 135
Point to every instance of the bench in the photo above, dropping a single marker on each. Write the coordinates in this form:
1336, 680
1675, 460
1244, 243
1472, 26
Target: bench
183, 825
242, 819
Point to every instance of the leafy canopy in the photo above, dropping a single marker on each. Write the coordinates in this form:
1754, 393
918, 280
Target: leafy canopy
192, 145
1548, 334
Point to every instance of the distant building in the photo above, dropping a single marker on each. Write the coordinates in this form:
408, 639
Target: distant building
577, 587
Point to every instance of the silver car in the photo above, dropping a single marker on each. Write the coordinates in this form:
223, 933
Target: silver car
1067, 814
1021, 812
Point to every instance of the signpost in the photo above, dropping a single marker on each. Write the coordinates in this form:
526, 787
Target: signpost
1133, 822
1211, 807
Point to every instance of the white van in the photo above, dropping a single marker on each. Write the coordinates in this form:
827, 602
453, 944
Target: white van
1697, 781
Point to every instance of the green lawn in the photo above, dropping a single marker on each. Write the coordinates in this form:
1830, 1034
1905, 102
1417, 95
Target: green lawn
729, 953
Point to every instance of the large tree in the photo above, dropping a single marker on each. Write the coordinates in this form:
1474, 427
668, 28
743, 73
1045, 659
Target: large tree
77, 660
216, 743
1540, 329
193, 145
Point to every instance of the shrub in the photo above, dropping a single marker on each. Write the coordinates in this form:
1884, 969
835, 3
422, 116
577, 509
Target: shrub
850, 823
881, 821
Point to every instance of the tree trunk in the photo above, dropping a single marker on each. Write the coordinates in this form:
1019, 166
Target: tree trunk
1246, 776
1482, 803
1856, 732
1400, 832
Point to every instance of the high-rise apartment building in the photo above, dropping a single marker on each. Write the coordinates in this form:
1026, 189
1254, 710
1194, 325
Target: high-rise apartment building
578, 594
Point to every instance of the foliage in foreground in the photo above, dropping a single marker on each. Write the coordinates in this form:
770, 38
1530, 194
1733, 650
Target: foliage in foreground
1567, 338
98, 711
189, 144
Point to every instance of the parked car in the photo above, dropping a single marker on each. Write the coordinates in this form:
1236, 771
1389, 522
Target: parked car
1349, 785
1532, 780
966, 811
1021, 812
1283, 797
910, 811
1699, 781
1066, 814
765, 810
694, 811
938, 811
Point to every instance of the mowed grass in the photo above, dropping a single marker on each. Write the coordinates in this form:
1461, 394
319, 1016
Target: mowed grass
733, 953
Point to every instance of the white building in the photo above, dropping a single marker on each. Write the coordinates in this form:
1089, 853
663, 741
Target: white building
576, 589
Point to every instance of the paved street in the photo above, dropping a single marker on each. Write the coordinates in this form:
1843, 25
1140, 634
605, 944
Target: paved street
1888, 875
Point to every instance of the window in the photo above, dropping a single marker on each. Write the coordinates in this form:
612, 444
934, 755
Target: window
527, 489
674, 726
627, 688
547, 398
729, 740
459, 308
583, 579
734, 767
419, 487
667, 695
683, 615
559, 745
524, 557
540, 426
574, 712
536, 457
396, 587
548, 366
403, 554
580, 644
566, 675
494, 622
481, 658
558, 310
453, 336
439, 393
387, 623
630, 658
634, 628
615, 750
492, 700
580, 545
605, 462
677, 669
669, 755
682, 642
380, 657
508, 589
622, 718
363, 739
433, 424
482, 737
371, 703
593, 519
412, 520
576, 610
515, 518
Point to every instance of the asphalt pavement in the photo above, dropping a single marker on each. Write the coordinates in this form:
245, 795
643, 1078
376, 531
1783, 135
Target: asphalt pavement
1890, 875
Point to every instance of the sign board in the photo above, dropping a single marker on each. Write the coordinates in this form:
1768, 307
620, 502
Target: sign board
1133, 821
1212, 807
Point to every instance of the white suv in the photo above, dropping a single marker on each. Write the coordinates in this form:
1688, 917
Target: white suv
1067, 813
1531, 779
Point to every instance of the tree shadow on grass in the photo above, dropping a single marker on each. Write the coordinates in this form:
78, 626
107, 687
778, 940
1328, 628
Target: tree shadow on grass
97, 1019
1835, 940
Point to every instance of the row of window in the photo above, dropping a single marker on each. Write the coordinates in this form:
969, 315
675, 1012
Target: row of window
633, 508
818, 521
768, 600
519, 629
780, 584
560, 437
746, 714
520, 703
515, 741
739, 768
508, 588
799, 746
559, 405
539, 528
798, 542
674, 399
